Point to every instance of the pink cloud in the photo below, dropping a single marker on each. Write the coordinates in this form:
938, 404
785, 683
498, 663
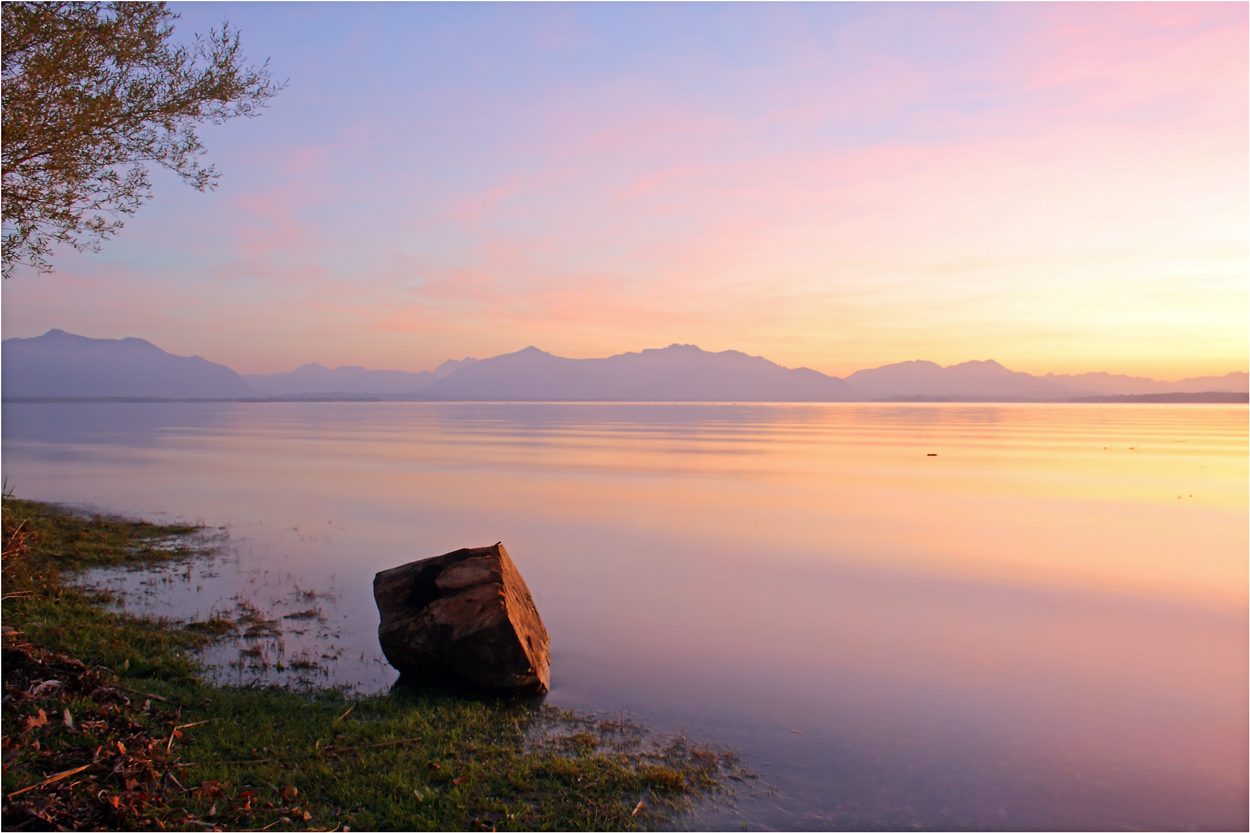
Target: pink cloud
473, 209
654, 180
853, 195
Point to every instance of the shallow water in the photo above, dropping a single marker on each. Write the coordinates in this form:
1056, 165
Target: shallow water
1044, 626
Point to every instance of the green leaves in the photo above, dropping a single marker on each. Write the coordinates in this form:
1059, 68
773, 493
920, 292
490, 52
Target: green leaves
95, 93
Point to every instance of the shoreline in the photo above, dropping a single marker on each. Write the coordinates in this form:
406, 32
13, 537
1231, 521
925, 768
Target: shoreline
1203, 398
110, 723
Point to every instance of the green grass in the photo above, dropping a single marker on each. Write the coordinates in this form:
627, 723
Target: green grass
70, 620
269, 757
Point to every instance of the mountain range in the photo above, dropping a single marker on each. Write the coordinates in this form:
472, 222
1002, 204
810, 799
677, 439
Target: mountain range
679, 372
60, 365
313, 379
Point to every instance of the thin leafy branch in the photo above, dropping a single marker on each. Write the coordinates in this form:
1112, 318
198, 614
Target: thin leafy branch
93, 95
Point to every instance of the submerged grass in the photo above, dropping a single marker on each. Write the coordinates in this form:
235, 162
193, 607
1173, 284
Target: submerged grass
108, 723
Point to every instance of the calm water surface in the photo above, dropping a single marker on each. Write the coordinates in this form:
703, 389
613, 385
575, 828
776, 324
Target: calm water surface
1044, 626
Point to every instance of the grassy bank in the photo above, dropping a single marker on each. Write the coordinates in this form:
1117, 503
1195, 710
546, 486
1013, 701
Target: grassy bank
107, 722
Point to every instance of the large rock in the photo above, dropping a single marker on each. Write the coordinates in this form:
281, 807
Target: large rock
468, 612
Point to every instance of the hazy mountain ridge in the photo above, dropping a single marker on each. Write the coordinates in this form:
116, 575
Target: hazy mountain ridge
313, 378
973, 378
451, 366
679, 372
61, 365
989, 379
1107, 384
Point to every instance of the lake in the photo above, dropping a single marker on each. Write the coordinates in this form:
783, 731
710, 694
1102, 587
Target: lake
951, 616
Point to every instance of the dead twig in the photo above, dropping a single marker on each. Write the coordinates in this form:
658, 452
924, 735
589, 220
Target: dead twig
174, 733
52, 779
142, 693
266, 827
170, 773
9, 548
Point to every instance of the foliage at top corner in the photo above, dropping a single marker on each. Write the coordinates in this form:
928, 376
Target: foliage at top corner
94, 93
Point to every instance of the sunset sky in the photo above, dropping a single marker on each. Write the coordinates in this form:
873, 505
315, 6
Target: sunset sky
1061, 187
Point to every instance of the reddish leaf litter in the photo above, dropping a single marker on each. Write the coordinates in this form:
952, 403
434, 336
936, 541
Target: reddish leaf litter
85, 752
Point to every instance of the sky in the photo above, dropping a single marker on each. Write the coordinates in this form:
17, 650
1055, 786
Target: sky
1060, 187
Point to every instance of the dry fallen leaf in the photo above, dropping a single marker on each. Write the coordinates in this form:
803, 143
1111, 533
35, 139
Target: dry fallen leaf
460, 780
209, 789
40, 719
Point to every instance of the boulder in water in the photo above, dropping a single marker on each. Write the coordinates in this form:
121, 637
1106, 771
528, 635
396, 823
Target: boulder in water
468, 613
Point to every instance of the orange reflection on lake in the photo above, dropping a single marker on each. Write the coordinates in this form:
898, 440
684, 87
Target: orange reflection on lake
1043, 626
1142, 499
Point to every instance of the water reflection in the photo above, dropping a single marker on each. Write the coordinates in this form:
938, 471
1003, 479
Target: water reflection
1042, 626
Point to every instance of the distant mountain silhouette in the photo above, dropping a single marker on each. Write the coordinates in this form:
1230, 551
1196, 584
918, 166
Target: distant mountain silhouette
451, 366
58, 364
1105, 384
679, 372
314, 379
978, 379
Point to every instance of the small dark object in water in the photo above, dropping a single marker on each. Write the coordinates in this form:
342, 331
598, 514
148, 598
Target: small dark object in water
467, 612
930, 455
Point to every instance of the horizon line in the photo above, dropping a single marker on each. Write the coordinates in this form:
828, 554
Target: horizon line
634, 352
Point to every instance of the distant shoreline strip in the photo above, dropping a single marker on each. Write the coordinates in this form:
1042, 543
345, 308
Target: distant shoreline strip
1207, 398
